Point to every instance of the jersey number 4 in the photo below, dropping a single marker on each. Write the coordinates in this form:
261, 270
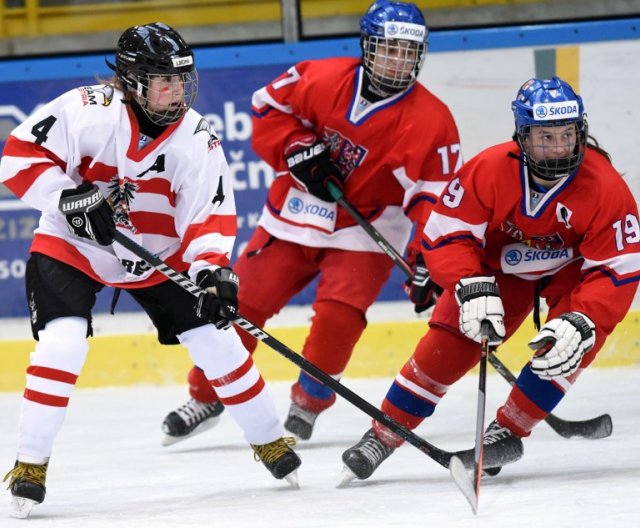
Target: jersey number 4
41, 128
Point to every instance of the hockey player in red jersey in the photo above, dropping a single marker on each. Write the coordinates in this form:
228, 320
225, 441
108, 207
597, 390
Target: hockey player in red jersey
545, 215
390, 144
130, 155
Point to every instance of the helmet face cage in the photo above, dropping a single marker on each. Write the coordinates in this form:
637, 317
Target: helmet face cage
540, 107
166, 98
548, 166
392, 65
156, 65
394, 40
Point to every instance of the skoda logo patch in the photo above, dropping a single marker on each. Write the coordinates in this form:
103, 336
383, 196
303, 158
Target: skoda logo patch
295, 205
392, 29
513, 257
541, 112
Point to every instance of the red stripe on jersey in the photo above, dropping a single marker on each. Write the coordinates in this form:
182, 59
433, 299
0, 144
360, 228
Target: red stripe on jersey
234, 375
158, 186
61, 250
52, 374
226, 225
45, 399
97, 172
245, 396
25, 149
24, 179
154, 223
215, 259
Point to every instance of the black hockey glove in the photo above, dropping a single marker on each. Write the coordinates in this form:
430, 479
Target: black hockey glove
219, 303
88, 213
311, 166
422, 291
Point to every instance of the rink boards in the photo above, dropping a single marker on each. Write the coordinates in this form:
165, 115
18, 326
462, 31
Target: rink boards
138, 359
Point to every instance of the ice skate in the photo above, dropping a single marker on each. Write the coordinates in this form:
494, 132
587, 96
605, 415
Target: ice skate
501, 447
300, 421
280, 459
189, 420
363, 459
27, 487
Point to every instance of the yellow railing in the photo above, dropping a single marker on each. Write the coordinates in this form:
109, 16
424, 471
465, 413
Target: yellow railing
35, 20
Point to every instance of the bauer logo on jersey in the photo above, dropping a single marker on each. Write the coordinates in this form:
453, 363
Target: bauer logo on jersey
405, 31
178, 62
520, 259
306, 210
553, 111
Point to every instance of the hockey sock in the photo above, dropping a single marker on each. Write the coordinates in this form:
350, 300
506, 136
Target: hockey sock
236, 380
531, 400
335, 329
199, 387
55, 365
440, 359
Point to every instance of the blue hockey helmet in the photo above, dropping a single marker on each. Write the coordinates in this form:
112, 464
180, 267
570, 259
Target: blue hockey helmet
394, 39
550, 103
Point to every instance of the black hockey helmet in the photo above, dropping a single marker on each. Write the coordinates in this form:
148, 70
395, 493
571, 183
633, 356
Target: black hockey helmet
155, 49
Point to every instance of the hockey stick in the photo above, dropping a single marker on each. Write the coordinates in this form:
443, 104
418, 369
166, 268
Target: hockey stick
471, 488
480, 414
391, 252
594, 428
439, 455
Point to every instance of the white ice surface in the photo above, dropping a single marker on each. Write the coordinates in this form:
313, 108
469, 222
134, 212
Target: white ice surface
108, 469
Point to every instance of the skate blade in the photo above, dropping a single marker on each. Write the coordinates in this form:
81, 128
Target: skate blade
346, 478
20, 507
204, 426
292, 479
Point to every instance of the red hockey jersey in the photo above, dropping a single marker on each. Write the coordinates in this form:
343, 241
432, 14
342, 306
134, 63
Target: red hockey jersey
172, 195
396, 154
489, 216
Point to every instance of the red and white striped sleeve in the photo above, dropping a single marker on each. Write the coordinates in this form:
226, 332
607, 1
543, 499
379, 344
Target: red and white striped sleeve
35, 156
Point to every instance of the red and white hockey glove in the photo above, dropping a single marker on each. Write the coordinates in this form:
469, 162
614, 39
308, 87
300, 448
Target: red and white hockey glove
311, 166
560, 345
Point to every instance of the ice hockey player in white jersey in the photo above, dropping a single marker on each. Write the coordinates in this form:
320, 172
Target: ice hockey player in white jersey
130, 155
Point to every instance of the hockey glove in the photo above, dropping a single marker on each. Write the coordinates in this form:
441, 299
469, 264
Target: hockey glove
311, 166
219, 302
479, 300
422, 291
560, 345
88, 213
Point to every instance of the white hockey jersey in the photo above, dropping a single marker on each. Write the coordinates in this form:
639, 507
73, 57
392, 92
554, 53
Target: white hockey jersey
173, 195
